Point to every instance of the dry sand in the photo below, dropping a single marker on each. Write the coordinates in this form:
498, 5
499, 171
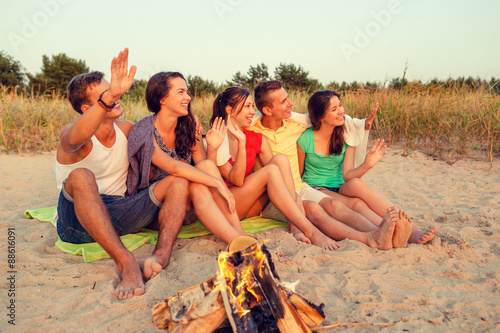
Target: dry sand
451, 284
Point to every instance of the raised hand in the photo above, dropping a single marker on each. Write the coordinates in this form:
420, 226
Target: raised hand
235, 130
215, 136
371, 117
121, 77
376, 153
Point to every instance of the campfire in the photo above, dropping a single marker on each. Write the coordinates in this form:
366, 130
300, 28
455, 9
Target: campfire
246, 295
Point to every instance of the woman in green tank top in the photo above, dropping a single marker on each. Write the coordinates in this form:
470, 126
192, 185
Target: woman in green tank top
327, 163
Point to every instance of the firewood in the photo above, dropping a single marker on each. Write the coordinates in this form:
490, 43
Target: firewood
246, 285
262, 282
205, 324
311, 314
172, 311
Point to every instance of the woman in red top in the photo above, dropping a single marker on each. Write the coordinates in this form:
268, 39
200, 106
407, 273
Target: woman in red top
235, 149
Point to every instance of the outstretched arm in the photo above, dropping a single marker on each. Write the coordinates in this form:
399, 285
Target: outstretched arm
75, 135
372, 158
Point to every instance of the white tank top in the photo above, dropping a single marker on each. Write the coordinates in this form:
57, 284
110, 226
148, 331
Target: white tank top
109, 165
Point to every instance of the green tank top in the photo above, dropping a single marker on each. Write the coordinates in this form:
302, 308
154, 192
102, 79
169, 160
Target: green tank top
320, 170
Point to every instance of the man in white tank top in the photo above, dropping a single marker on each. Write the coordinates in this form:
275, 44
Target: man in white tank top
91, 171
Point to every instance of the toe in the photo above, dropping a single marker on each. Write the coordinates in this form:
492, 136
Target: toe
139, 291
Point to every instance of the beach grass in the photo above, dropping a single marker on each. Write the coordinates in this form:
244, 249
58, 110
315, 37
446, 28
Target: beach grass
450, 123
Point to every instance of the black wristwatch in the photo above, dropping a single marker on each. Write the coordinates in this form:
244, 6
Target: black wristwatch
103, 104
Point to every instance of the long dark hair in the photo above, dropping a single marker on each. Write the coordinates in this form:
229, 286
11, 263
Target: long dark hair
232, 96
317, 106
157, 88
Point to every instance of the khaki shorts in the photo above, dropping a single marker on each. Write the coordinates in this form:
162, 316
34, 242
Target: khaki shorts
305, 193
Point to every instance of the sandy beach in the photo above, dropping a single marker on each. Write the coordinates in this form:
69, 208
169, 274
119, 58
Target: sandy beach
449, 285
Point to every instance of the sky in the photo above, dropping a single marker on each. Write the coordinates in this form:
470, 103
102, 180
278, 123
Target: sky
333, 40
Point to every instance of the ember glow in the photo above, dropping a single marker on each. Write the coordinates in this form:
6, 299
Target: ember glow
246, 290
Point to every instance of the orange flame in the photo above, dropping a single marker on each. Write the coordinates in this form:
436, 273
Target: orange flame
246, 278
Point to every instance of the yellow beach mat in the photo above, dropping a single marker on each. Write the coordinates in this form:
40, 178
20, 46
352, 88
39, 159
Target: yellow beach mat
93, 251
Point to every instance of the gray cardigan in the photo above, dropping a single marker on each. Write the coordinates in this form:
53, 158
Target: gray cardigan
140, 153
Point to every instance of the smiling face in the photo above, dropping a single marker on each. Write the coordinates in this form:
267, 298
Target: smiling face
334, 113
281, 106
177, 99
242, 115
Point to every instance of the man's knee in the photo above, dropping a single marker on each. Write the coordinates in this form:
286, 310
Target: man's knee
81, 174
180, 184
177, 186
79, 179
171, 187
332, 205
313, 210
356, 203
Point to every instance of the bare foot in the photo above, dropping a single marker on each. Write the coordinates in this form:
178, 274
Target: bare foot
421, 236
402, 231
321, 240
152, 267
131, 284
382, 237
299, 235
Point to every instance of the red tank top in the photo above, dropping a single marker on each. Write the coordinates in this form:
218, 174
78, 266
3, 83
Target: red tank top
253, 146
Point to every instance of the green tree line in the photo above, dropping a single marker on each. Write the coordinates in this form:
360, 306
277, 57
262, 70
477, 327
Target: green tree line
57, 71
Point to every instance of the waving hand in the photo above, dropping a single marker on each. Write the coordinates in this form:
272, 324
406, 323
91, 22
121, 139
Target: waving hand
215, 136
376, 153
121, 77
371, 117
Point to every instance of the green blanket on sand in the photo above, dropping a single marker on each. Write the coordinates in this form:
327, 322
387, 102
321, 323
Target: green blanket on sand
93, 251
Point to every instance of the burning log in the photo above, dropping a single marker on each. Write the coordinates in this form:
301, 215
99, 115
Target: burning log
249, 279
246, 291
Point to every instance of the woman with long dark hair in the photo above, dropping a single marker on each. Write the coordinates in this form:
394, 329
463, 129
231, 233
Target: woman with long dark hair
166, 143
327, 163
235, 151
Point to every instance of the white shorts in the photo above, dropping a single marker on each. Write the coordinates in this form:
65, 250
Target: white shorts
305, 193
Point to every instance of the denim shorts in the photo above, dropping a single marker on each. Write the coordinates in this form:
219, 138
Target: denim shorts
128, 214
332, 189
